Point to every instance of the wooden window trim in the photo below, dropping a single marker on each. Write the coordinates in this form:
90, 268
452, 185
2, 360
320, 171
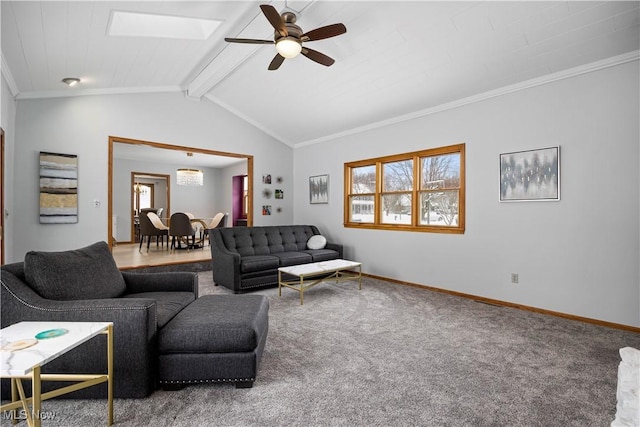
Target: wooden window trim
415, 192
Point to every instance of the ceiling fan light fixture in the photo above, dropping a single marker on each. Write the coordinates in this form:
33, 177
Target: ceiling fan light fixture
288, 47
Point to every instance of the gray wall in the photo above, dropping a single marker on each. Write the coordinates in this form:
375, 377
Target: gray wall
578, 256
82, 126
7, 121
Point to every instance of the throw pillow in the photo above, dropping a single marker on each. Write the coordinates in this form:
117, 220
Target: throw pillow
86, 273
317, 241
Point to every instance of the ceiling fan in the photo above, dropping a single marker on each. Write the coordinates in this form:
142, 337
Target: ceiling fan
288, 38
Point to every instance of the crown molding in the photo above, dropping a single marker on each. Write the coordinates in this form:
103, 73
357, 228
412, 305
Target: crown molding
539, 81
92, 92
6, 72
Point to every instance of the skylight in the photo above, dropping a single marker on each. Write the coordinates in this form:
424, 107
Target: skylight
136, 24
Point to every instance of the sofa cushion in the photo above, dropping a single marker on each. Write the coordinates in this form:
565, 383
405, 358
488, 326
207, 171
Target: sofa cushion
86, 273
293, 258
266, 240
168, 304
294, 238
322, 254
217, 324
248, 241
258, 262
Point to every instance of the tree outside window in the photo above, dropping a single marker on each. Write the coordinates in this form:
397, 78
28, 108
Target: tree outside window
396, 197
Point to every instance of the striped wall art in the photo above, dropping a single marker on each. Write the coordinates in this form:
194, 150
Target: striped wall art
58, 188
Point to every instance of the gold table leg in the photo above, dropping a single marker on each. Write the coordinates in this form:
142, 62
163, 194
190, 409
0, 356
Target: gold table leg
36, 392
14, 398
110, 375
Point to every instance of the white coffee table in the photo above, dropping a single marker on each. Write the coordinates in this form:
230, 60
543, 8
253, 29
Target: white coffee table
338, 270
26, 346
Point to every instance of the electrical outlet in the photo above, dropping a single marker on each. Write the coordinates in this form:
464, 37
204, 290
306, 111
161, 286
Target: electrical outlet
514, 278
96, 203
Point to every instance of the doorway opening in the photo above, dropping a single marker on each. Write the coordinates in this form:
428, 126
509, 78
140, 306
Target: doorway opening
137, 150
149, 191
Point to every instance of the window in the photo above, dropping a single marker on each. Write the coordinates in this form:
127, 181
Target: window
143, 195
420, 191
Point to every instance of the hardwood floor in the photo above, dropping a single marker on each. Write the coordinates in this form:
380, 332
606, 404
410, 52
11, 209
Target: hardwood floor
127, 255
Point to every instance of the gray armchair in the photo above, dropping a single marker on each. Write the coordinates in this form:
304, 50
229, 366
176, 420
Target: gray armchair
86, 285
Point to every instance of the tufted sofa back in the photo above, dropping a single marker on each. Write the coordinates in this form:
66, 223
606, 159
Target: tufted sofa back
267, 240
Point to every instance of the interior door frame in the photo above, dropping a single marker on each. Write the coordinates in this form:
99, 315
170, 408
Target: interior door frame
158, 176
120, 140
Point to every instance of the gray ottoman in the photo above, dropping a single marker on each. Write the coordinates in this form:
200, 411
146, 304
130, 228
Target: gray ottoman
216, 338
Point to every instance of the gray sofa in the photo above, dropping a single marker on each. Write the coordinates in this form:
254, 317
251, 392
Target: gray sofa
244, 258
86, 285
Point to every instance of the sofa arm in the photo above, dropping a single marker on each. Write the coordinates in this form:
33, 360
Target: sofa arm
336, 247
225, 264
134, 329
182, 281
21, 303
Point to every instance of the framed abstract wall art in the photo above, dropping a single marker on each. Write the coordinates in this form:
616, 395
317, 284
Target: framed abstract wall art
319, 189
532, 175
58, 188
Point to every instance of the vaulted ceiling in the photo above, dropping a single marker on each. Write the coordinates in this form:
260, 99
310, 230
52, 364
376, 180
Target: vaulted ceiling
397, 60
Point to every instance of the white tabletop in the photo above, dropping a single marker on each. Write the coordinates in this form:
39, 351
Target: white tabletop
50, 345
319, 267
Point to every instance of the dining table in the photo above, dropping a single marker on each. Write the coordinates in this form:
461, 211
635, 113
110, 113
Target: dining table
200, 223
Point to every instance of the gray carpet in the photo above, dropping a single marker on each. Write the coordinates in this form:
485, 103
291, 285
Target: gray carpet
391, 355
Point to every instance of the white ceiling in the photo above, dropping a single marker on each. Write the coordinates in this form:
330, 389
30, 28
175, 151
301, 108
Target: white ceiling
397, 59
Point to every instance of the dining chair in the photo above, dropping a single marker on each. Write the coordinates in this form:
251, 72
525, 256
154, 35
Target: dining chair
180, 226
216, 220
219, 220
147, 210
157, 222
149, 227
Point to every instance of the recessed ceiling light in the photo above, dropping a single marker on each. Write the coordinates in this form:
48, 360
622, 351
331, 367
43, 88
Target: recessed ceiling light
70, 81
165, 26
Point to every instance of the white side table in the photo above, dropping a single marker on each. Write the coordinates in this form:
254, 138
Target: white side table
26, 346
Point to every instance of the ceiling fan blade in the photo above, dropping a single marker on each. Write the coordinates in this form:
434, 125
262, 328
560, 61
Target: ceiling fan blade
318, 57
274, 19
276, 62
250, 41
324, 32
